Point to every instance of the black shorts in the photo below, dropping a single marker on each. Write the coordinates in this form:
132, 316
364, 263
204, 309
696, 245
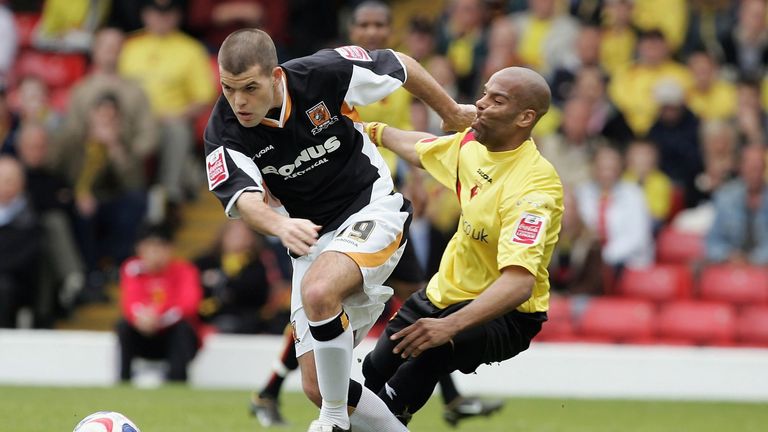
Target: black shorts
408, 268
493, 341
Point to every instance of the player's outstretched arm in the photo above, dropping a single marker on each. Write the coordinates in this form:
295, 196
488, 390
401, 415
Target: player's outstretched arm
298, 235
456, 117
402, 143
510, 290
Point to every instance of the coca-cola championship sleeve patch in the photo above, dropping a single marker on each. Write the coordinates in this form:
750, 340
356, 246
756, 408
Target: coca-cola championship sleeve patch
529, 230
216, 168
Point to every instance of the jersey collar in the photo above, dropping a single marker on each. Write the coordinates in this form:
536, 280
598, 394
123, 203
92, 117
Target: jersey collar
285, 111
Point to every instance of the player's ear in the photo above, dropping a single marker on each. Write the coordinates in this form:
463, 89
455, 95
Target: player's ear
277, 73
527, 118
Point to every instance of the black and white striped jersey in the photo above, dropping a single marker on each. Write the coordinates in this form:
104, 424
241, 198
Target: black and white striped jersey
314, 159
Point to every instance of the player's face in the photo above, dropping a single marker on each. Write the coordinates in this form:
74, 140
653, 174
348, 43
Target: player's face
370, 29
252, 93
498, 113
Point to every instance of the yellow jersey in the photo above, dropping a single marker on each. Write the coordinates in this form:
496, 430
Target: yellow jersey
511, 208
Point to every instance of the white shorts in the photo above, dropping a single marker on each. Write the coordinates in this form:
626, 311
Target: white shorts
373, 238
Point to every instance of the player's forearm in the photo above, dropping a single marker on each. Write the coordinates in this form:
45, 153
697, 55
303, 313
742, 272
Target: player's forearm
403, 143
509, 291
257, 214
422, 85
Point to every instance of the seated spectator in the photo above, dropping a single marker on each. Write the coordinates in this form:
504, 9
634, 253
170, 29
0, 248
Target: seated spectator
617, 46
9, 42
751, 118
502, 47
604, 119
20, 243
52, 199
33, 103
711, 97
160, 296
462, 39
676, 133
175, 72
239, 276
576, 261
643, 170
746, 46
9, 124
68, 25
719, 145
614, 210
587, 49
108, 179
739, 234
214, 20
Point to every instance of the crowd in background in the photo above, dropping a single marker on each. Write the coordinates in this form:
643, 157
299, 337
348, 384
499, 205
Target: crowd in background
659, 120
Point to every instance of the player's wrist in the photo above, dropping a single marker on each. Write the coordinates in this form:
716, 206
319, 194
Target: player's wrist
375, 131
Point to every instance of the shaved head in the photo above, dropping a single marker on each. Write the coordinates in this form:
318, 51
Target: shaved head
528, 88
246, 48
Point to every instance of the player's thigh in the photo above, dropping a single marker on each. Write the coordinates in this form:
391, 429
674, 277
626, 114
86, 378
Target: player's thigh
333, 275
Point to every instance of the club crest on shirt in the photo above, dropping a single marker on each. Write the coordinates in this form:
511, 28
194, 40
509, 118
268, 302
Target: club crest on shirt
320, 117
216, 167
353, 52
529, 228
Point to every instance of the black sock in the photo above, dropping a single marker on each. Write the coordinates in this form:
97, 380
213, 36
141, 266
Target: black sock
448, 389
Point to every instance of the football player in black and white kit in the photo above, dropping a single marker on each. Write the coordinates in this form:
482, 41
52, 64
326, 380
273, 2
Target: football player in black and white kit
284, 152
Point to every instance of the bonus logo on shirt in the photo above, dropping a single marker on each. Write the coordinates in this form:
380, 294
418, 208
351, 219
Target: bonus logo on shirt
528, 229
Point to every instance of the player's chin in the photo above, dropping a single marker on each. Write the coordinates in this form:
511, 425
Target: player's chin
478, 133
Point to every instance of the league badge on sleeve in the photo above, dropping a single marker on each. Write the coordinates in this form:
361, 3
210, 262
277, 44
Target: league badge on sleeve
217, 169
529, 229
355, 53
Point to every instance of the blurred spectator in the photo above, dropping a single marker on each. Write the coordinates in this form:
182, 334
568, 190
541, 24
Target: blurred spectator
9, 124
718, 144
51, 197
502, 47
160, 296
137, 127
746, 47
108, 178
632, 88
617, 46
668, 16
751, 119
462, 39
587, 55
546, 36
643, 170
739, 233
604, 119
20, 243
126, 14
676, 133
420, 40
428, 241
9, 42
69, 25
214, 20
615, 212
33, 103
711, 97
176, 74
571, 150
314, 25
709, 22
588, 12
424, 118
238, 275
576, 261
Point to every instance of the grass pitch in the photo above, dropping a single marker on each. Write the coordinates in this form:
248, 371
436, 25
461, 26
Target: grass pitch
181, 409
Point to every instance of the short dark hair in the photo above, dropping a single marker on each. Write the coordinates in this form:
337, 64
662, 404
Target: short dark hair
246, 48
371, 4
158, 231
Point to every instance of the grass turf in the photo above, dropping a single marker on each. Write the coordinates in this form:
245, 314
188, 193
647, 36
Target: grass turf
181, 409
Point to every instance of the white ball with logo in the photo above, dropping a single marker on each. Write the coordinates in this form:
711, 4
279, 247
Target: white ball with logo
106, 421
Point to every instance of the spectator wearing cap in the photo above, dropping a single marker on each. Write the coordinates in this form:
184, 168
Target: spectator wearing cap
676, 132
631, 89
175, 72
160, 296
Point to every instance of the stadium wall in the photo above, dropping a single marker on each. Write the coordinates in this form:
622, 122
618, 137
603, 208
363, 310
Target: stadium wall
72, 358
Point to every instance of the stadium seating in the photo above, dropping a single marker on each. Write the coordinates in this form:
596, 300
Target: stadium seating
618, 320
697, 322
559, 326
752, 325
658, 283
57, 70
677, 247
739, 285
25, 27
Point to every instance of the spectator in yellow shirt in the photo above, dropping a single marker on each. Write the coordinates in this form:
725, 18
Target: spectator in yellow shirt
174, 70
617, 48
711, 97
643, 170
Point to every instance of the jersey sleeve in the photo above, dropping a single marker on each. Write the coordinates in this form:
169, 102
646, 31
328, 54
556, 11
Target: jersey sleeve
525, 224
230, 172
370, 75
440, 157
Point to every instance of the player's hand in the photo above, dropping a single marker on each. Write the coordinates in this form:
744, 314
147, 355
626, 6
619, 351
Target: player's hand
298, 235
461, 119
422, 335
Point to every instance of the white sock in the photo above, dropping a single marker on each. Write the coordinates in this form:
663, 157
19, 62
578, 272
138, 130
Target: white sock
372, 415
333, 359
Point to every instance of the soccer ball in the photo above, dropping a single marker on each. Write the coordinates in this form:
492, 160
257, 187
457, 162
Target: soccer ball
106, 421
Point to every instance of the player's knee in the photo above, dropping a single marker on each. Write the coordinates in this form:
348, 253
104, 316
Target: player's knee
312, 390
319, 298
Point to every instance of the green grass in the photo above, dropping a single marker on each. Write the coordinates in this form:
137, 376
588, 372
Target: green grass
180, 409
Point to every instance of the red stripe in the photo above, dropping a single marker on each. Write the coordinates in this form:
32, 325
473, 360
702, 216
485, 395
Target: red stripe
470, 136
104, 421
